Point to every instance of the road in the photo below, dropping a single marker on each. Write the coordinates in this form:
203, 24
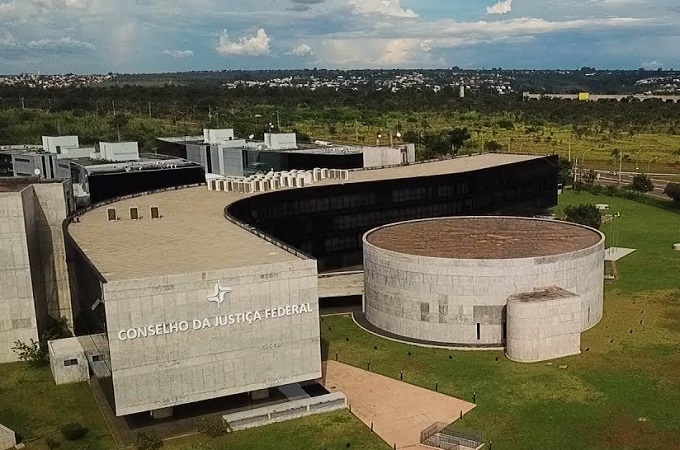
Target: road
609, 178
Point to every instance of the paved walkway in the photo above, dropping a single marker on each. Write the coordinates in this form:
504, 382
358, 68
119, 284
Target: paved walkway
399, 411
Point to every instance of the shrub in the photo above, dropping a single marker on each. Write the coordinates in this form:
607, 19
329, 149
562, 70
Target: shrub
673, 191
52, 443
73, 431
585, 214
148, 441
213, 426
642, 183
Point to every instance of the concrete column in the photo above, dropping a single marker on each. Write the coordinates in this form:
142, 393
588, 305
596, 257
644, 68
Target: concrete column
162, 413
260, 394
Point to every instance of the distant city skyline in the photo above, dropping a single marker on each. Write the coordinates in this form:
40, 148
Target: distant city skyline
132, 36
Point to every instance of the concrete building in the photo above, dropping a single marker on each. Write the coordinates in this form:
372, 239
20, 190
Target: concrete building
67, 361
98, 174
447, 281
279, 152
34, 284
218, 293
544, 324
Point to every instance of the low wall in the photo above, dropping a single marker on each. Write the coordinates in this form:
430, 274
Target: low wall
285, 411
7, 438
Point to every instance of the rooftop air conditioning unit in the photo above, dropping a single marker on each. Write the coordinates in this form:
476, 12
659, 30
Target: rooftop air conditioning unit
154, 212
134, 213
111, 215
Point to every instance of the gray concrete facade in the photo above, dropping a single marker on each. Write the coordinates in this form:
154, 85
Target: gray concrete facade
463, 301
67, 361
185, 338
542, 325
7, 438
33, 274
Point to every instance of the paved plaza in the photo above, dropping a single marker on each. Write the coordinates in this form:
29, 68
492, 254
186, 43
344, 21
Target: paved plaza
399, 411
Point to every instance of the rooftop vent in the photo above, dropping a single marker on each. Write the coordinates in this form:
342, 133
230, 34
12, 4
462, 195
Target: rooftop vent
155, 212
134, 213
111, 214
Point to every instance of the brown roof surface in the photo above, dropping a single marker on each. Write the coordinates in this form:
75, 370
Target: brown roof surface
484, 238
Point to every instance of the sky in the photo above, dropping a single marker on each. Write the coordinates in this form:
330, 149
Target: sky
146, 36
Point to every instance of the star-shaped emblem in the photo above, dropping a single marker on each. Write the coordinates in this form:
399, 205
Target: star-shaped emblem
218, 294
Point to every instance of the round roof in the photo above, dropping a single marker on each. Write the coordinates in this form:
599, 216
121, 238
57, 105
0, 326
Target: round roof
484, 237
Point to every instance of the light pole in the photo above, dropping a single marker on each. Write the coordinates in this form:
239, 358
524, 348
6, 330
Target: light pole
650, 163
637, 159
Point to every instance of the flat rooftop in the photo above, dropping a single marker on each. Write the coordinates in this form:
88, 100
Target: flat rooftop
18, 184
428, 169
193, 234
484, 238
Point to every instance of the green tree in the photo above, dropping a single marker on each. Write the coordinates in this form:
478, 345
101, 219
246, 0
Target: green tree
673, 191
642, 183
584, 214
458, 137
564, 172
493, 146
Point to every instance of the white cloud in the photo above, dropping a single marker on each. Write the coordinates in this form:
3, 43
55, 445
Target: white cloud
257, 45
178, 53
375, 53
302, 50
651, 65
64, 43
502, 7
390, 8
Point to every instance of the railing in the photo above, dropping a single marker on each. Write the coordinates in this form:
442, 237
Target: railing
430, 431
437, 435
265, 236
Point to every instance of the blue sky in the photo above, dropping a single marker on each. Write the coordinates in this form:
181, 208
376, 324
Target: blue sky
86, 36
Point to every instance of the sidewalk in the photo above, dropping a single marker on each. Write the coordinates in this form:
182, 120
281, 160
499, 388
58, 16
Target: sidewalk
399, 411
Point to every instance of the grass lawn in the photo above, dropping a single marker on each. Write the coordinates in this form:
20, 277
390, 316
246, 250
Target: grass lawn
331, 431
34, 407
622, 392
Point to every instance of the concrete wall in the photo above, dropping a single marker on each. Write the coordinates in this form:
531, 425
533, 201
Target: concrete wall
165, 370
50, 143
214, 136
53, 204
280, 141
443, 300
543, 329
7, 438
119, 151
17, 310
67, 361
381, 156
286, 411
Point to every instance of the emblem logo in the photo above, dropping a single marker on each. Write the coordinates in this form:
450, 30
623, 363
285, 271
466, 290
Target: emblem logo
218, 294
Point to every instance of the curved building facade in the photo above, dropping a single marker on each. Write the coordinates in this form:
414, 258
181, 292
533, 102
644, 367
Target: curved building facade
447, 281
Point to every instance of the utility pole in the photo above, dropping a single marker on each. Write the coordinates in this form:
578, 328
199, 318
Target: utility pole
23, 106
278, 122
569, 148
149, 109
620, 164
113, 106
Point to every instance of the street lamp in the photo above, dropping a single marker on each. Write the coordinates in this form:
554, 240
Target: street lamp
650, 163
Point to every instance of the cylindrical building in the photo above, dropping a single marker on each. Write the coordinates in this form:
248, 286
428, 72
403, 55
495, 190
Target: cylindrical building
447, 281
